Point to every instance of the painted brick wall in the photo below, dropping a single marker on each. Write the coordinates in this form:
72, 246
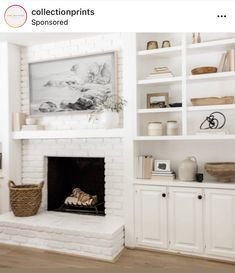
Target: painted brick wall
34, 152
34, 166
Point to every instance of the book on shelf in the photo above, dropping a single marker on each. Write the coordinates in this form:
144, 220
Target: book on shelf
164, 173
212, 132
144, 166
160, 75
162, 178
32, 127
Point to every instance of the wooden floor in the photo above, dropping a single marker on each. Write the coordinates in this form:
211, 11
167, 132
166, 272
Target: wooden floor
21, 257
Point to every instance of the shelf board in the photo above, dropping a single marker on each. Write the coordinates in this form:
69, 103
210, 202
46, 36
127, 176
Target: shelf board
176, 182
163, 81
159, 110
186, 137
83, 133
208, 46
212, 76
161, 52
212, 107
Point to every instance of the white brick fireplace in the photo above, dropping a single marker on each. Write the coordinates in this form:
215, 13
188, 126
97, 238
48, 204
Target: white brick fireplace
93, 236
34, 167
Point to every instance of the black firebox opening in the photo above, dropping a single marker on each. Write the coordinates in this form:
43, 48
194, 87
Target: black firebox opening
68, 173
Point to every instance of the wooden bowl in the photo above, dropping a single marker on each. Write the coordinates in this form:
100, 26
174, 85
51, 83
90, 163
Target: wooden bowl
204, 70
212, 101
223, 171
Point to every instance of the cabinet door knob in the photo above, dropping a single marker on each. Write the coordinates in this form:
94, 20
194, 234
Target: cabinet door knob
163, 195
199, 197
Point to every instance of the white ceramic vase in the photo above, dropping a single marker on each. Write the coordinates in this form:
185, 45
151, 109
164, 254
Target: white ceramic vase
188, 169
109, 119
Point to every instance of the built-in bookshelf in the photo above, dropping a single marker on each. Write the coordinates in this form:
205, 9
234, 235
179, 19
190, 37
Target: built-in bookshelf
181, 58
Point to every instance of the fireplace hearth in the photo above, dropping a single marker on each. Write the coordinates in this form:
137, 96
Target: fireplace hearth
76, 185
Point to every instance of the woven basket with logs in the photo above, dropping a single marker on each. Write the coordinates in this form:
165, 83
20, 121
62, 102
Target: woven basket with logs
25, 199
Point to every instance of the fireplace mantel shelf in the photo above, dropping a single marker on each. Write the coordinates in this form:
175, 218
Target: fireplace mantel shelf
83, 133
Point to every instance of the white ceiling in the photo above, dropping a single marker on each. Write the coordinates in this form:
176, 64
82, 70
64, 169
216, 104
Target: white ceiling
28, 39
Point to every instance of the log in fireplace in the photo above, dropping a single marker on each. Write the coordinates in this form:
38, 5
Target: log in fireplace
76, 184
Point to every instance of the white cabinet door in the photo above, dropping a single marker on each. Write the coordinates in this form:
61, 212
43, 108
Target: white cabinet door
220, 222
185, 219
151, 216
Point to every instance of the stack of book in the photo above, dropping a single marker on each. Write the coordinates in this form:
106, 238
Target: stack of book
163, 175
144, 166
227, 61
160, 72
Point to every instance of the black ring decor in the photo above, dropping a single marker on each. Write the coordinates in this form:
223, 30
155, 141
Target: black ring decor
213, 122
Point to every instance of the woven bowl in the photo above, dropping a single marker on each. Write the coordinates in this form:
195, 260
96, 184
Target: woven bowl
204, 70
222, 171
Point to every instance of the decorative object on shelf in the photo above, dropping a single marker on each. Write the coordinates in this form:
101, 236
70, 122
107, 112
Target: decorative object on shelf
166, 43
30, 121
162, 165
222, 171
155, 129
152, 45
160, 72
157, 100
108, 111
199, 177
176, 104
162, 170
33, 128
18, 121
188, 169
172, 128
196, 37
212, 101
199, 37
227, 61
25, 199
204, 70
73, 84
215, 120
144, 166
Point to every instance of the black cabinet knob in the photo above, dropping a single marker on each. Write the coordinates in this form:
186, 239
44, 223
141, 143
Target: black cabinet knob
163, 195
199, 197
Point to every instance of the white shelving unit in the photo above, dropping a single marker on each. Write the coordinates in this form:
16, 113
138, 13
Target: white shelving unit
180, 59
173, 201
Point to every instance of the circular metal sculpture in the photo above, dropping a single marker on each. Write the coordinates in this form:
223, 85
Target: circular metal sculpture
215, 120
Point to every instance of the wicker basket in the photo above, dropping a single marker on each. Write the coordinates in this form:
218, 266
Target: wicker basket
25, 199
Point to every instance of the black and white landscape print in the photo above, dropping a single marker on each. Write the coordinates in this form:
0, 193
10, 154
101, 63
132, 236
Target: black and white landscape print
75, 84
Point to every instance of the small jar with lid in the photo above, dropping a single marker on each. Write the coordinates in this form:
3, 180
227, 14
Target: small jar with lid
155, 129
172, 128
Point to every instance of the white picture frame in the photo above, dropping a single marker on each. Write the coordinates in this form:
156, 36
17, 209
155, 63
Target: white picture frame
162, 165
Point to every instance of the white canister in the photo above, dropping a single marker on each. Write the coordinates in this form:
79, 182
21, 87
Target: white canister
155, 129
188, 169
172, 128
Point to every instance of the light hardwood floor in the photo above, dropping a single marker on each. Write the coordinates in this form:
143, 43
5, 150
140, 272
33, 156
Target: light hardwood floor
21, 257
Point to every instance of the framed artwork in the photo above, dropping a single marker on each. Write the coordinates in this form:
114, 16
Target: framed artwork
162, 165
72, 84
157, 100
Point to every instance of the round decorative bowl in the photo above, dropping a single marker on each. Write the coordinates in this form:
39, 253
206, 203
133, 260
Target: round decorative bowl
204, 70
222, 171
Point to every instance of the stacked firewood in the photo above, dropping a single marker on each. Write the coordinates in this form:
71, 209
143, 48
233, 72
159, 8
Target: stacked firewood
80, 198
